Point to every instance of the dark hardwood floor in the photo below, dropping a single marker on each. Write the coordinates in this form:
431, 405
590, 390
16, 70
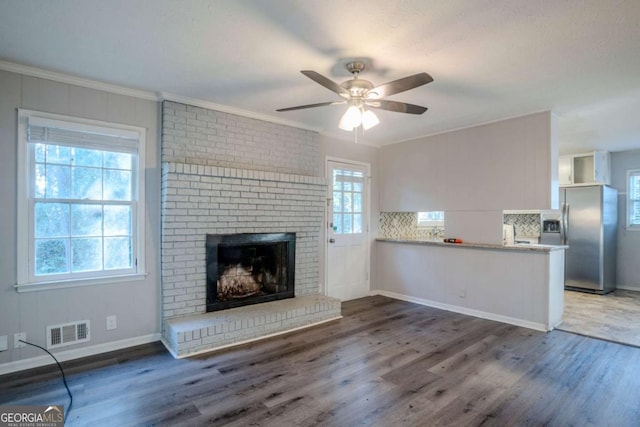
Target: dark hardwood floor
386, 363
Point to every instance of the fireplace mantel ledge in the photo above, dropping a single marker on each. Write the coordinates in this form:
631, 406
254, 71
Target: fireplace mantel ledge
228, 172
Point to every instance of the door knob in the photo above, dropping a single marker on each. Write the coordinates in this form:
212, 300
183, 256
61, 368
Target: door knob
332, 240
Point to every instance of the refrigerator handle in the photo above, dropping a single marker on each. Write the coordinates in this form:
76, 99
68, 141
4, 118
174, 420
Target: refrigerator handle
564, 223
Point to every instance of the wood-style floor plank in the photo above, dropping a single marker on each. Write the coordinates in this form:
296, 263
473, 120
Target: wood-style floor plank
386, 362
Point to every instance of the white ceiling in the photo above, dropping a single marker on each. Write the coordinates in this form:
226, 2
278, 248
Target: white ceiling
490, 59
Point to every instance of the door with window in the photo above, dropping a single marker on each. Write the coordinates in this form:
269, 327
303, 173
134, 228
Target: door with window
347, 231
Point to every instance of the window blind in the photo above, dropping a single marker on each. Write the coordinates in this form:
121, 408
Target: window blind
58, 132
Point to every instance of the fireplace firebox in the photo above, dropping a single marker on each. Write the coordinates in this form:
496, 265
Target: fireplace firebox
249, 268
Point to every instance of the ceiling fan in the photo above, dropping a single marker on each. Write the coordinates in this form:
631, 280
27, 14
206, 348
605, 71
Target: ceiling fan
360, 94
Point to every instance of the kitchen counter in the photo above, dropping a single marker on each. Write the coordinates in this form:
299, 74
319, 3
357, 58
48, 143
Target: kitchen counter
520, 284
525, 247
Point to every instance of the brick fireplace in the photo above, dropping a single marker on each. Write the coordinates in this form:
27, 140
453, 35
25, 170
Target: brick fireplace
236, 191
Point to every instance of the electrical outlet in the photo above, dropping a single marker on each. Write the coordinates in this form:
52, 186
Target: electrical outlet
112, 323
19, 336
4, 345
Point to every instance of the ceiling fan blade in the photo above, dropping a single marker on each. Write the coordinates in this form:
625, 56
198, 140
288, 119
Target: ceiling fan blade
322, 80
399, 85
320, 104
398, 107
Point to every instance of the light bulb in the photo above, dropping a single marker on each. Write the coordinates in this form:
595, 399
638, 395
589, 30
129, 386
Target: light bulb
369, 119
352, 118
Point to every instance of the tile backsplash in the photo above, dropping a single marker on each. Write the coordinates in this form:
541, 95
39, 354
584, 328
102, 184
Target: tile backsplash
402, 225
525, 224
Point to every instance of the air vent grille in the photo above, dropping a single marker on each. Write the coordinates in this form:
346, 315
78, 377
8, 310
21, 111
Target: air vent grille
68, 334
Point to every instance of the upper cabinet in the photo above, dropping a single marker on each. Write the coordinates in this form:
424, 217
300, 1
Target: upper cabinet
585, 168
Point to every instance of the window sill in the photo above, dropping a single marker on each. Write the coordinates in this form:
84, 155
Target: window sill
62, 284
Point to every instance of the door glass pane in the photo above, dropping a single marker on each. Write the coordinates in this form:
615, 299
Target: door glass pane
348, 186
347, 224
357, 202
346, 200
337, 223
337, 201
357, 223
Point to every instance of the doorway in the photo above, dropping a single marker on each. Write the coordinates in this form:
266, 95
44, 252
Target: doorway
347, 233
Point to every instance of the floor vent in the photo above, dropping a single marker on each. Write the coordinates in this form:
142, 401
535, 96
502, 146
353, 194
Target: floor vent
68, 334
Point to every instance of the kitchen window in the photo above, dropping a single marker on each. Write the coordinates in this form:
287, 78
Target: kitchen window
80, 201
633, 199
431, 219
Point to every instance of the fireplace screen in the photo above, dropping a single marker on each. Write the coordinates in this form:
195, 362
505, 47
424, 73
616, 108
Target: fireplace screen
249, 268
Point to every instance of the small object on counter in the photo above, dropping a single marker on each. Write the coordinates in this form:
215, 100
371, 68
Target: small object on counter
453, 240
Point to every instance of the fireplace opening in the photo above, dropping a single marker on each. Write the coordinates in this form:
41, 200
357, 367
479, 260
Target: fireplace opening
249, 268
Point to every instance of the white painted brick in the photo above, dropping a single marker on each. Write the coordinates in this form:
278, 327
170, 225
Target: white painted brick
203, 191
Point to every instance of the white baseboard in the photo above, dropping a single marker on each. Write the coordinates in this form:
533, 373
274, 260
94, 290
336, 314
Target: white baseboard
463, 310
34, 362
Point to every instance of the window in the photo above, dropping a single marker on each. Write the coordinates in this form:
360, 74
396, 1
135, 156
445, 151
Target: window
348, 190
81, 193
633, 199
430, 219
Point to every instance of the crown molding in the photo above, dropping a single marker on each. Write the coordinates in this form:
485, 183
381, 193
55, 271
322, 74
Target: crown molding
165, 96
488, 122
78, 81
148, 95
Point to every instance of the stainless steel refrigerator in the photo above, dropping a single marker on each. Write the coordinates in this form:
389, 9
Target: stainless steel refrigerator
587, 223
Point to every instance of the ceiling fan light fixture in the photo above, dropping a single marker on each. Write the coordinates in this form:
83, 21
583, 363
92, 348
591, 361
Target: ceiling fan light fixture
352, 118
369, 119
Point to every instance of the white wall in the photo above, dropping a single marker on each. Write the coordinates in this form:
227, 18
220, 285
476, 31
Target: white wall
136, 304
628, 269
520, 287
474, 174
348, 150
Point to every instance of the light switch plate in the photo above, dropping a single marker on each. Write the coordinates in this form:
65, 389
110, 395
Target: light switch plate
4, 345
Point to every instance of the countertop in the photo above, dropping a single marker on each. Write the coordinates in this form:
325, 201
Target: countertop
518, 247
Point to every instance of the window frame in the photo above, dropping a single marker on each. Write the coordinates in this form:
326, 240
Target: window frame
27, 280
339, 230
630, 201
429, 223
